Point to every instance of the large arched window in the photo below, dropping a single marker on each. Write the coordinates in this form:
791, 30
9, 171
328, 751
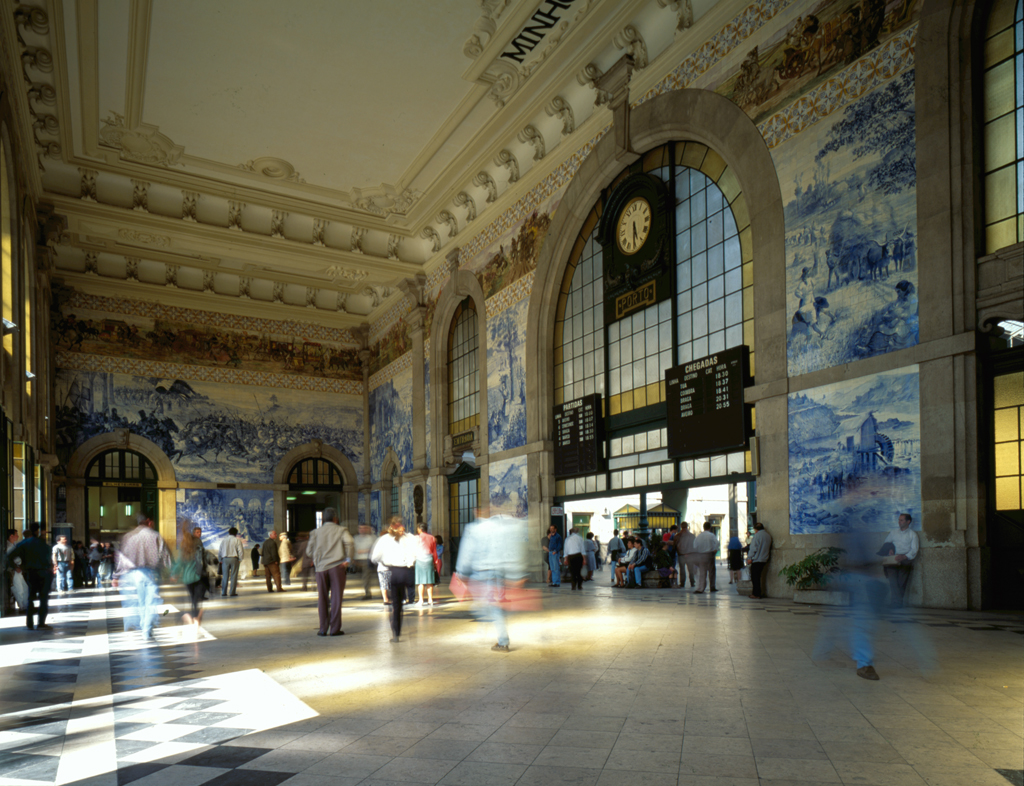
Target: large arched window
1004, 125
626, 361
463, 370
120, 484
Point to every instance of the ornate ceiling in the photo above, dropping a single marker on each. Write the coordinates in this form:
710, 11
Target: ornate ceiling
249, 155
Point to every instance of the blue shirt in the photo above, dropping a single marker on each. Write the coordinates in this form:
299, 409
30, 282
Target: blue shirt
34, 553
555, 544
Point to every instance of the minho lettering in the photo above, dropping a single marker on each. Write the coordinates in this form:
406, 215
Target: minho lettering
543, 20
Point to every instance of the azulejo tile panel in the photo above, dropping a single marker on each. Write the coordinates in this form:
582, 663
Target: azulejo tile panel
403, 363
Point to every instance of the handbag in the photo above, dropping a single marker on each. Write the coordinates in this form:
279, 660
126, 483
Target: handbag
187, 571
20, 589
458, 587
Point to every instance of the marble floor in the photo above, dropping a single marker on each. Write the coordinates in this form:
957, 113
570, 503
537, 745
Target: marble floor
606, 687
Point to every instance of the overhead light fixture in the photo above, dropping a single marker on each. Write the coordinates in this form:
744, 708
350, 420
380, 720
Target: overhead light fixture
103, 511
308, 492
292, 499
9, 327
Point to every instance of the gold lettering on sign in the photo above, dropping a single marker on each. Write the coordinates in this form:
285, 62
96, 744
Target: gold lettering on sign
644, 296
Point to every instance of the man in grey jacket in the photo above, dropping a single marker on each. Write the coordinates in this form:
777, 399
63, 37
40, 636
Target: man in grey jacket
330, 548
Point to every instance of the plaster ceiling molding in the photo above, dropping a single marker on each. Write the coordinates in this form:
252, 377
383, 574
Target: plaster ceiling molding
235, 215
135, 237
272, 169
209, 281
562, 109
319, 228
340, 299
29, 17
244, 287
140, 196
278, 293
189, 200
277, 218
393, 241
486, 182
88, 189
356, 240
484, 27
344, 275
143, 144
91, 264
629, 38
385, 200
532, 136
447, 219
171, 276
462, 199
435, 239
683, 9
191, 278
311, 295
131, 268
506, 158
589, 76
378, 294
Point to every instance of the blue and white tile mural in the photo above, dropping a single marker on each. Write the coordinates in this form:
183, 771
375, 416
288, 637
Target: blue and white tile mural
408, 507
211, 431
362, 510
855, 454
375, 520
217, 510
507, 481
851, 244
506, 378
391, 419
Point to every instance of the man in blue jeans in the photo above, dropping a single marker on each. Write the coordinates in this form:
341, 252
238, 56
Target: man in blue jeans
64, 565
638, 567
143, 554
555, 556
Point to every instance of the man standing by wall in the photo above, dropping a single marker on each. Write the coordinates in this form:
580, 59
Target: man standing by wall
64, 565
555, 556
686, 555
271, 559
905, 547
231, 554
758, 556
331, 548
35, 564
143, 554
706, 546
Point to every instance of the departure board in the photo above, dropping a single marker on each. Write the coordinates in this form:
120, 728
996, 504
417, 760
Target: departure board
706, 412
579, 437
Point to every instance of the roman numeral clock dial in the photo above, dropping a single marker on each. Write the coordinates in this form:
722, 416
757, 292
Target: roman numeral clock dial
634, 225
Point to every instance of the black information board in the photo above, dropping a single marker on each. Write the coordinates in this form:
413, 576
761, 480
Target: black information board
579, 437
706, 413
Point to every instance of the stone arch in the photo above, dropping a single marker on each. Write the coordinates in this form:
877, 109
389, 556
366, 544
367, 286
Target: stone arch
682, 115
464, 284
123, 439
317, 449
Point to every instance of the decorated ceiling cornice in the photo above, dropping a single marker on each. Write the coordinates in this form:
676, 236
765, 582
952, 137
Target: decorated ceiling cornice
147, 205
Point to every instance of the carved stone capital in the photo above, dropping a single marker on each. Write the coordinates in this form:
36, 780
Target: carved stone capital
448, 220
531, 136
615, 82
435, 239
462, 199
88, 188
91, 264
319, 228
452, 260
171, 276
277, 218
414, 289
416, 320
278, 293
683, 9
393, 241
630, 39
189, 202
131, 269
356, 240
235, 215
562, 109
140, 196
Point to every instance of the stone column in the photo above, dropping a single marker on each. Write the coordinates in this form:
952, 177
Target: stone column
364, 359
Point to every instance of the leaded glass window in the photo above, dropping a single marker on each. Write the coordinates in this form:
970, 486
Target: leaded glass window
463, 370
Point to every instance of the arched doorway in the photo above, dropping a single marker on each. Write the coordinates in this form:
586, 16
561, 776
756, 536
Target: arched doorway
119, 483
313, 484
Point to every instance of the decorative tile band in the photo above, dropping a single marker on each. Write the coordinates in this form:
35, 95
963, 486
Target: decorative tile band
140, 308
391, 370
880, 65
76, 361
510, 295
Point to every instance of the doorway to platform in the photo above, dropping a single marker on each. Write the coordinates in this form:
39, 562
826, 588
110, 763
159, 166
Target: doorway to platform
313, 484
119, 484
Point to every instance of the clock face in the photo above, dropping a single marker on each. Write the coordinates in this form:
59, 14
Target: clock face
634, 225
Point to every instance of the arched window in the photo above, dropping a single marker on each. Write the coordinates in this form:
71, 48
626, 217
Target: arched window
315, 473
626, 360
463, 370
120, 483
1004, 125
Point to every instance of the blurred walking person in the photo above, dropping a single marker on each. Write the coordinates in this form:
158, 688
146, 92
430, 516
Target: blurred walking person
686, 555
364, 545
735, 559
590, 548
36, 566
142, 556
270, 556
396, 551
492, 554
190, 569
427, 564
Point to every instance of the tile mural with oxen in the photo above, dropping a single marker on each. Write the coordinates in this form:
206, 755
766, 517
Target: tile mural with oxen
212, 432
507, 480
850, 223
217, 510
506, 378
391, 422
851, 244
855, 454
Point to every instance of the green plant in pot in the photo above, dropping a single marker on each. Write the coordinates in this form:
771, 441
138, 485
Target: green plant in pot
814, 571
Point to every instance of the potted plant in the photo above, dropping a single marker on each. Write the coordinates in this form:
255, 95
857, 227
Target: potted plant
811, 576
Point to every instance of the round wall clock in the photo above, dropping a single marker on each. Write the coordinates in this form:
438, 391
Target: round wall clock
634, 226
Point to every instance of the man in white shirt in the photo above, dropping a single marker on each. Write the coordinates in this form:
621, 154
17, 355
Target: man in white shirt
707, 548
575, 552
231, 554
905, 545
